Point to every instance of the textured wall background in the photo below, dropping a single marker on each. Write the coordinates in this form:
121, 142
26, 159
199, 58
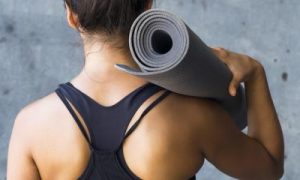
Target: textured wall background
38, 51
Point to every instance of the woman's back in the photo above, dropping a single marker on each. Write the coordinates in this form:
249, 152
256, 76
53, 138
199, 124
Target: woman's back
163, 145
170, 142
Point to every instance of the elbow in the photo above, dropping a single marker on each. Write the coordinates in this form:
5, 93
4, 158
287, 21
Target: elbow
275, 174
280, 172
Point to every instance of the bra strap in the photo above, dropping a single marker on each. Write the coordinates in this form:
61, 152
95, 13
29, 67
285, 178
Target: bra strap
67, 104
151, 106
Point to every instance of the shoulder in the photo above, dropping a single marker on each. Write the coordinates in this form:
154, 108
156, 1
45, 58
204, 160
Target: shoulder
43, 108
20, 161
44, 123
31, 122
38, 117
174, 131
188, 117
191, 109
44, 131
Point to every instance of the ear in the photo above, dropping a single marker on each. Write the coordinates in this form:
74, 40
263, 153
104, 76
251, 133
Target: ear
72, 18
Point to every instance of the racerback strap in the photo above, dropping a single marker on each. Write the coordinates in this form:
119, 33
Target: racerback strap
71, 110
151, 106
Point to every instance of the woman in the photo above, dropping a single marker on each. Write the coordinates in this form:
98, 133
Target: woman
132, 129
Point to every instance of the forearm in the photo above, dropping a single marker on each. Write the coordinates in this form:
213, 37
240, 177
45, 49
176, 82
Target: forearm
263, 123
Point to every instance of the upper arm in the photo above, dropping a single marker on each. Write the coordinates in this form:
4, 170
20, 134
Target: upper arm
230, 150
20, 163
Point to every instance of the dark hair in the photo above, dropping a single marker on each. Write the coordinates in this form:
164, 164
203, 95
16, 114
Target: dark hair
113, 17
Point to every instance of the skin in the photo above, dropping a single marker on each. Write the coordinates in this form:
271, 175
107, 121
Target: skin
173, 139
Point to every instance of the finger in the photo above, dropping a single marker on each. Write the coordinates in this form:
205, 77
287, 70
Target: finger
215, 49
221, 53
218, 48
234, 84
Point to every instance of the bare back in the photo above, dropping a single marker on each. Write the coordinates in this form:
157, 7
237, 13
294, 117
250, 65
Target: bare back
162, 146
171, 142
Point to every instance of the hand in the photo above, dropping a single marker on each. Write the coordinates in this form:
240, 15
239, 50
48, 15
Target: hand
242, 67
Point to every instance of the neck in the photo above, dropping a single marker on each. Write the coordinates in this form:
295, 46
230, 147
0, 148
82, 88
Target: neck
100, 59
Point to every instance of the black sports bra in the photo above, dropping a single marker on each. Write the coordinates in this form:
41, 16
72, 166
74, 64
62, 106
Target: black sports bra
107, 126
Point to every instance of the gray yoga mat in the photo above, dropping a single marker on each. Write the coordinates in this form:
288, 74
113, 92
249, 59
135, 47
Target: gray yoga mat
172, 56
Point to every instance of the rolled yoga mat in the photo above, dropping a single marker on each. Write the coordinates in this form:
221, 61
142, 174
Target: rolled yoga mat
171, 55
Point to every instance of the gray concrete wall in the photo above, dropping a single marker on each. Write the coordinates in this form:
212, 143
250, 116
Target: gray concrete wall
38, 51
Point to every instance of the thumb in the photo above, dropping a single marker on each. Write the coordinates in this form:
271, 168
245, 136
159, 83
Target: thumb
233, 87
